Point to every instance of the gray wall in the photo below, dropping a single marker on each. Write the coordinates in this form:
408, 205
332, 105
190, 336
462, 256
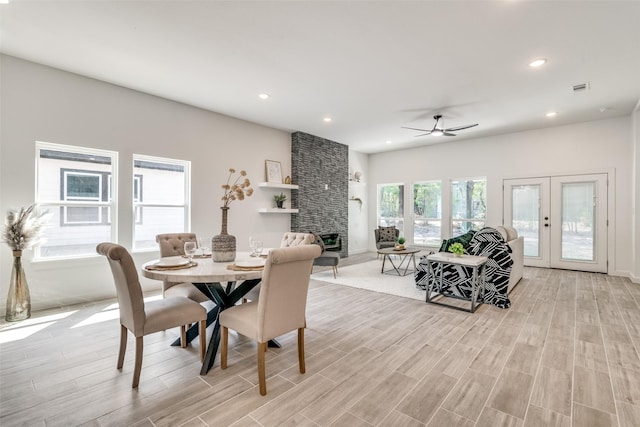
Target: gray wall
321, 168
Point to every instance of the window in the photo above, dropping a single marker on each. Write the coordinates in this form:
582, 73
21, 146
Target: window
468, 205
427, 213
161, 189
391, 206
75, 185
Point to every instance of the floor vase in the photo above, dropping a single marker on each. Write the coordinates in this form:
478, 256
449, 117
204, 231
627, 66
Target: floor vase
19, 299
223, 245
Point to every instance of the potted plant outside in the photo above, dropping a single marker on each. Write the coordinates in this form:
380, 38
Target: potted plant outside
280, 199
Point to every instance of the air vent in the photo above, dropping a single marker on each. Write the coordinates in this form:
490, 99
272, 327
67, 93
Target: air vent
581, 87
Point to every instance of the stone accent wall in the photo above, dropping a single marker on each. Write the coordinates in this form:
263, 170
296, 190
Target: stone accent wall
321, 168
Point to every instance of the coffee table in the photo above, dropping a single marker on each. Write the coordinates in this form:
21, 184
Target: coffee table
408, 255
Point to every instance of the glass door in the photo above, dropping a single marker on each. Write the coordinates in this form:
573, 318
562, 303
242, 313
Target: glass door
563, 220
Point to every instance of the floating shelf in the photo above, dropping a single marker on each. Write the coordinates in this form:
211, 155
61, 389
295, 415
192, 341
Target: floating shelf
274, 185
277, 210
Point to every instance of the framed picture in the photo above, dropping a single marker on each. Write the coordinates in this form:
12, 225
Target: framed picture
274, 171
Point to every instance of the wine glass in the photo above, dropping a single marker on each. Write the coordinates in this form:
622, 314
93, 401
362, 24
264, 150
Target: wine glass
190, 250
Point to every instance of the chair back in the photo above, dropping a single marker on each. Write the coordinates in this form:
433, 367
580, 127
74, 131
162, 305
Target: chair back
296, 239
128, 289
283, 294
172, 244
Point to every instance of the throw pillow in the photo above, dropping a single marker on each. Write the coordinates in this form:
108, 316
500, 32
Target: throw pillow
463, 238
387, 234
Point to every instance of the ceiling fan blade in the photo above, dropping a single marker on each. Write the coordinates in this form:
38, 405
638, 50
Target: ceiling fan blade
423, 134
460, 127
449, 134
423, 130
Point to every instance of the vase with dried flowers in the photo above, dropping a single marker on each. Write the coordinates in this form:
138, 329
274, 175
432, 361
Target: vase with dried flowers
223, 245
22, 230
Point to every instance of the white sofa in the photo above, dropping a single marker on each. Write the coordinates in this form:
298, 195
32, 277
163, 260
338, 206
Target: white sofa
516, 243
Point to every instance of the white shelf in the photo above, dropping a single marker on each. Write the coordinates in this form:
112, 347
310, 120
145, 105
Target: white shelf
277, 210
274, 185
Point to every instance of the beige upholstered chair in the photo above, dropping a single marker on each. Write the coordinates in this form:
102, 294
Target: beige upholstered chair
289, 239
144, 318
296, 239
172, 244
280, 308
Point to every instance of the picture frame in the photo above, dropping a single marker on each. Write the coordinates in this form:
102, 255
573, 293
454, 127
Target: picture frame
273, 171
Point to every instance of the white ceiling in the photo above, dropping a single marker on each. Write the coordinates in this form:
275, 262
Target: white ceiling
373, 66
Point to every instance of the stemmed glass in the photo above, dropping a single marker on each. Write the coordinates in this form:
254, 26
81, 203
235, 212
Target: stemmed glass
190, 250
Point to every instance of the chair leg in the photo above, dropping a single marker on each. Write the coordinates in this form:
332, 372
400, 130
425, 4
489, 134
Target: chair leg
123, 345
262, 348
138, 365
301, 350
335, 271
203, 339
183, 336
224, 346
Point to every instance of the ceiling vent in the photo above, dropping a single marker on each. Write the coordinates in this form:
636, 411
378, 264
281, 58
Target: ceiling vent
581, 87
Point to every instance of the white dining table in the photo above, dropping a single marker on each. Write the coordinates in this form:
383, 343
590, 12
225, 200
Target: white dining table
208, 277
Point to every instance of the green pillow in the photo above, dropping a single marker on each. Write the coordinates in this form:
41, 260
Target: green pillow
463, 238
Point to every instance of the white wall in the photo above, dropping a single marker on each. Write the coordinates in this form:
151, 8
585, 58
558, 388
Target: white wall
39, 103
599, 146
358, 217
635, 274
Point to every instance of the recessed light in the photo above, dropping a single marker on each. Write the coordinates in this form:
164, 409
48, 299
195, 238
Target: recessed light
551, 114
327, 119
263, 96
388, 142
537, 63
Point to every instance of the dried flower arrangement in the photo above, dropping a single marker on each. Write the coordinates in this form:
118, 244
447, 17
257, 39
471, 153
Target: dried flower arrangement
236, 190
23, 228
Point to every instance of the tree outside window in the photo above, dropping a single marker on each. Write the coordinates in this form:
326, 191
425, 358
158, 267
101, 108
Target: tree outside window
427, 213
469, 205
391, 206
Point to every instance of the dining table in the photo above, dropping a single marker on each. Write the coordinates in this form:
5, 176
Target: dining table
224, 283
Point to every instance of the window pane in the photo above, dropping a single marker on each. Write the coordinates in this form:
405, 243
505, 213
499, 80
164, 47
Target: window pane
469, 205
578, 216
159, 199
391, 206
427, 213
73, 183
525, 213
158, 220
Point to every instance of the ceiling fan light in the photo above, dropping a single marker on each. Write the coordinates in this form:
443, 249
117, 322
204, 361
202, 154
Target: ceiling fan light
437, 132
537, 63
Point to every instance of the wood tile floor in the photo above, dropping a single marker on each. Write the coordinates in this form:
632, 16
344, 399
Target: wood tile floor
564, 354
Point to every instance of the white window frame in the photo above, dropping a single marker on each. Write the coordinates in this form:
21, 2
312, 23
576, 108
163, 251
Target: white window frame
138, 206
413, 214
481, 221
110, 203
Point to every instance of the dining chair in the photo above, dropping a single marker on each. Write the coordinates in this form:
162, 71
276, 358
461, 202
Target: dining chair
144, 318
289, 239
279, 309
172, 244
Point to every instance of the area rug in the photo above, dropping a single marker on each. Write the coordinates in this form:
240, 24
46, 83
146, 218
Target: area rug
367, 276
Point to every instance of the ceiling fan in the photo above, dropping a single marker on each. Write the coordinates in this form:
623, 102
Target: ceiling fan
437, 131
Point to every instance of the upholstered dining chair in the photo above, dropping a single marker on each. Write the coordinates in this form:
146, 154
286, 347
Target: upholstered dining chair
144, 318
280, 308
289, 239
172, 244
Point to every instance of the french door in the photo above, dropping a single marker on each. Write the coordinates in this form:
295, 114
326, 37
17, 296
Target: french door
563, 220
